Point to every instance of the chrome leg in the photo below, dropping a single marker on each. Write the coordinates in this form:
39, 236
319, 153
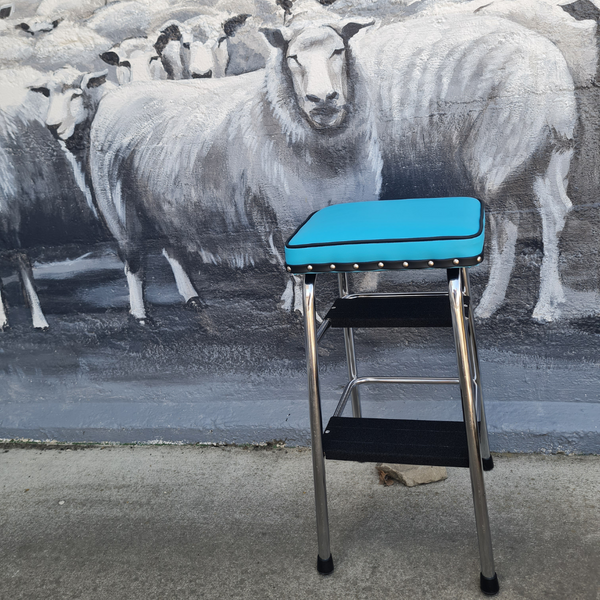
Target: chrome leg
349, 345
488, 579
488, 461
324, 560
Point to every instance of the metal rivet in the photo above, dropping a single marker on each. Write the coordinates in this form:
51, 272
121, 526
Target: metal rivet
355, 266
479, 259
309, 267
456, 261
430, 263
405, 264
332, 267
289, 269
380, 265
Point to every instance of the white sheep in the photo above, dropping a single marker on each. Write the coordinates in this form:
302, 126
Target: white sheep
70, 44
69, 9
223, 169
211, 45
40, 202
135, 59
478, 106
73, 98
576, 39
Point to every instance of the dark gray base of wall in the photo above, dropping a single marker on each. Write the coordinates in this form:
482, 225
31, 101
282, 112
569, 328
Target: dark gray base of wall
534, 403
547, 427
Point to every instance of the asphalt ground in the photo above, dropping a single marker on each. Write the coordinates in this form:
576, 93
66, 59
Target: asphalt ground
238, 522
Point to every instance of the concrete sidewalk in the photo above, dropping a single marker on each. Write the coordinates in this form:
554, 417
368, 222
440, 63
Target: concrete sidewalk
158, 522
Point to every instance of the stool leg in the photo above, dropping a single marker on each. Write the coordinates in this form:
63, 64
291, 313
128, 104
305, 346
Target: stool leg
488, 577
324, 559
349, 345
488, 461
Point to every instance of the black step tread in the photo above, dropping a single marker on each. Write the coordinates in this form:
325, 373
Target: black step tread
407, 311
435, 443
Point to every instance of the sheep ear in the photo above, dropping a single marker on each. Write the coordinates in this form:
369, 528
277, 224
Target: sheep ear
41, 90
5, 11
169, 34
351, 27
232, 25
110, 58
93, 80
172, 32
275, 37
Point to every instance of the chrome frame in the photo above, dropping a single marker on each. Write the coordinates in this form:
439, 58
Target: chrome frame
351, 386
349, 346
316, 422
483, 431
459, 306
469, 380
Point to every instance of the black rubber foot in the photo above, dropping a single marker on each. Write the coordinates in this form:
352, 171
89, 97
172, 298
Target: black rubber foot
489, 586
325, 566
488, 463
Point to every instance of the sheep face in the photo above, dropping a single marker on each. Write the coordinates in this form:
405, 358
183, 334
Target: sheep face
316, 62
134, 61
197, 48
72, 99
37, 25
206, 59
315, 58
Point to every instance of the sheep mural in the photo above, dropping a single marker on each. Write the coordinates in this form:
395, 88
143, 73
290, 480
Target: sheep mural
41, 202
451, 125
206, 131
309, 108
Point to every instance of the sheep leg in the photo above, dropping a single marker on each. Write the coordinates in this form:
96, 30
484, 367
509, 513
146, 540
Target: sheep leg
554, 206
291, 299
369, 282
26, 275
298, 304
287, 298
135, 282
3, 315
502, 259
185, 287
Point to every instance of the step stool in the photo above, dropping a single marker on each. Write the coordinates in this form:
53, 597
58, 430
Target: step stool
424, 233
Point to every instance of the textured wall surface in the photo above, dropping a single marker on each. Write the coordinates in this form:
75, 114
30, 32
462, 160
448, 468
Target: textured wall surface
154, 156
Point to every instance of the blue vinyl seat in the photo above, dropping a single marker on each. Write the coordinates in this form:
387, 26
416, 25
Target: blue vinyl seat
417, 233
392, 234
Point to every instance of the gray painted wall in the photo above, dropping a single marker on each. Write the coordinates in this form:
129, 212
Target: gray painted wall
76, 362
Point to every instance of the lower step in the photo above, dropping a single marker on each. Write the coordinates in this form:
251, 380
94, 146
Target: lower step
435, 443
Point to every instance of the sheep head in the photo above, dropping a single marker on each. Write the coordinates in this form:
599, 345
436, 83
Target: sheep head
315, 56
134, 59
198, 47
73, 97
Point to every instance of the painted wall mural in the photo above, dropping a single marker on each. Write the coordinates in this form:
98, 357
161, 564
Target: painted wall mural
155, 155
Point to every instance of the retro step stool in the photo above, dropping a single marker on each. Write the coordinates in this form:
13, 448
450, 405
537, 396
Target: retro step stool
423, 233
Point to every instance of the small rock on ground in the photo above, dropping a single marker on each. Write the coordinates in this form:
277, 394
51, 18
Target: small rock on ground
411, 475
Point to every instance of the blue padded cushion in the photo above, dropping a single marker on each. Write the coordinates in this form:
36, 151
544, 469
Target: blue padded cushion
393, 232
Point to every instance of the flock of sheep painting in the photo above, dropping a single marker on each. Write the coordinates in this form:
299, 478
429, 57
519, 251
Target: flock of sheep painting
210, 130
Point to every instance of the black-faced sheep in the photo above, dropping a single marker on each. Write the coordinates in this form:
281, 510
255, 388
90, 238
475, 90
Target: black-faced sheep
469, 106
221, 169
135, 59
207, 46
